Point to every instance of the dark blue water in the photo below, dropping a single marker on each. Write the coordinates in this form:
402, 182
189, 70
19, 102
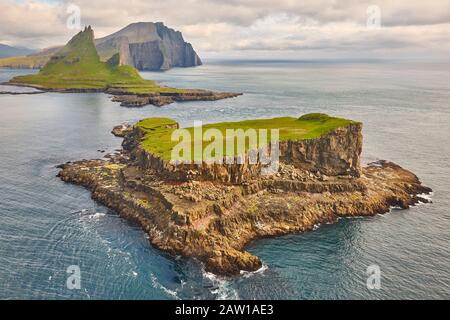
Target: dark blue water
47, 225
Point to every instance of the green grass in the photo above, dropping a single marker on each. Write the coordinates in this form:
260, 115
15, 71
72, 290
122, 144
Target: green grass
158, 141
78, 66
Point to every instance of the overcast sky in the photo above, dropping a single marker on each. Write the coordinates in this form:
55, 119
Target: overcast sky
252, 28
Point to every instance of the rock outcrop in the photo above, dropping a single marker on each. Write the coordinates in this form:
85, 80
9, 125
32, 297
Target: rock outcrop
213, 221
149, 46
122, 130
334, 154
143, 45
77, 68
161, 99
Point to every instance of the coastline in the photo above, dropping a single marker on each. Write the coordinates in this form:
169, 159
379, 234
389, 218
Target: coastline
127, 99
214, 221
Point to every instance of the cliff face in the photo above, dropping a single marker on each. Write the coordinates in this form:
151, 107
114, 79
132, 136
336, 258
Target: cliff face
337, 153
152, 46
334, 154
144, 45
213, 221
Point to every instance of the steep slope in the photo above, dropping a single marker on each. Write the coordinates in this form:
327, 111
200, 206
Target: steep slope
209, 216
152, 46
8, 51
143, 45
77, 66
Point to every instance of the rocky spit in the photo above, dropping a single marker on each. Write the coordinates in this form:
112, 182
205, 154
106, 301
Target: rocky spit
213, 220
137, 100
162, 99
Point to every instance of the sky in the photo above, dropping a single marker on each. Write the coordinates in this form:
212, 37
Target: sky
249, 29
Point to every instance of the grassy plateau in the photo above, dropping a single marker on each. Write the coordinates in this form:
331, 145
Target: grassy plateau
158, 137
78, 66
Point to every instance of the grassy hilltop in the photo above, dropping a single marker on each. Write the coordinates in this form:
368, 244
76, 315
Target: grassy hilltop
158, 131
78, 66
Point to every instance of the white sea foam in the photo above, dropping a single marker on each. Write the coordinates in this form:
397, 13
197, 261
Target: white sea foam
247, 274
97, 215
223, 291
426, 196
158, 285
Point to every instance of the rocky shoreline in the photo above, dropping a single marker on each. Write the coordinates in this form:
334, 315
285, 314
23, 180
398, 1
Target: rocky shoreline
5, 91
162, 99
213, 220
127, 99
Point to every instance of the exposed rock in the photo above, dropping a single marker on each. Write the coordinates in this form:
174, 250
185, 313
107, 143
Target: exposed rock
162, 99
334, 154
213, 221
143, 45
149, 46
337, 153
122, 130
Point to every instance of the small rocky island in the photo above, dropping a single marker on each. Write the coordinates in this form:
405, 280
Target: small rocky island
211, 211
77, 67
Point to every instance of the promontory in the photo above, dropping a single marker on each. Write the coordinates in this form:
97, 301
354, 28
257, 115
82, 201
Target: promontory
211, 211
143, 45
77, 67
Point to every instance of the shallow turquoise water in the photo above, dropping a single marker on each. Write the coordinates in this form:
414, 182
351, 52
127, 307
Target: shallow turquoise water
46, 225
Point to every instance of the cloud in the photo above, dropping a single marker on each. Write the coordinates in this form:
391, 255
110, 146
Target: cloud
248, 27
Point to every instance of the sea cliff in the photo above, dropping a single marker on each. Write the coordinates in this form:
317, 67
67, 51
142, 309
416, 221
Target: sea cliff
196, 212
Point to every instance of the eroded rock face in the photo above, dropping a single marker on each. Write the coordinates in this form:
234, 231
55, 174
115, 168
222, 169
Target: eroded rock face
149, 46
213, 221
337, 153
143, 45
334, 154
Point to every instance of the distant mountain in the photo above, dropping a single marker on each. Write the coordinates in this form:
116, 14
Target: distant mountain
8, 51
143, 45
32, 61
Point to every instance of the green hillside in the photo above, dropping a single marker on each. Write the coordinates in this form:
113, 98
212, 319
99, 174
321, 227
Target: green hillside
158, 131
78, 66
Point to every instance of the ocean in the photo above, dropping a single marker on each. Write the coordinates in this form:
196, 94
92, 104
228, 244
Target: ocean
46, 225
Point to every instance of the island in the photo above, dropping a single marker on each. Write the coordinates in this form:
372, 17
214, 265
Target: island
143, 45
77, 67
210, 211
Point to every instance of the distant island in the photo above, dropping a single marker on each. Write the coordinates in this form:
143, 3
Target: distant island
211, 211
143, 45
77, 67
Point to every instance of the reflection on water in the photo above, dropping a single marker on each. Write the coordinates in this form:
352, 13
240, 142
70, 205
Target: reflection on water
7, 89
47, 225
